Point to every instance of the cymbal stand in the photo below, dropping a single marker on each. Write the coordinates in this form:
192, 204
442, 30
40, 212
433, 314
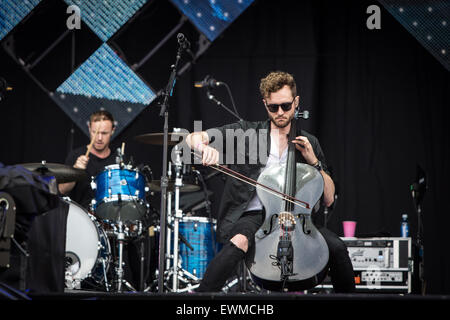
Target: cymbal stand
119, 268
178, 216
169, 221
174, 269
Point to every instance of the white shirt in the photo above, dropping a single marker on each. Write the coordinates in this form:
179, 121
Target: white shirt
273, 160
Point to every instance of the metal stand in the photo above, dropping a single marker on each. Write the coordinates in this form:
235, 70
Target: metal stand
219, 103
119, 268
419, 242
169, 223
142, 261
418, 190
164, 179
173, 263
178, 216
105, 276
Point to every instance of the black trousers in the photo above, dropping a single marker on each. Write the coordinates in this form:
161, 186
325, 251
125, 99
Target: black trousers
339, 263
224, 264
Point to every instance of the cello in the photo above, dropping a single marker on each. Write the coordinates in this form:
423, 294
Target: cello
289, 252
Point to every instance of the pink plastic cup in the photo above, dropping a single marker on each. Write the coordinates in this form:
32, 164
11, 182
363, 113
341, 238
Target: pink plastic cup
349, 228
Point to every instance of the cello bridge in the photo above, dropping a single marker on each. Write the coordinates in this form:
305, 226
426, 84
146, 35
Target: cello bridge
286, 220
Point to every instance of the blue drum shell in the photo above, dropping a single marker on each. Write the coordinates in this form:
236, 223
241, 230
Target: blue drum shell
197, 232
120, 181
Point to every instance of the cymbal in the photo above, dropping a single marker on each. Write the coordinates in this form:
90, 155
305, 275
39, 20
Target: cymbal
155, 186
62, 173
173, 138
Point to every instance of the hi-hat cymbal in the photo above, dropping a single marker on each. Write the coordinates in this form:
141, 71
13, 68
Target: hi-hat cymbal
155, 186
62, 173
173, 138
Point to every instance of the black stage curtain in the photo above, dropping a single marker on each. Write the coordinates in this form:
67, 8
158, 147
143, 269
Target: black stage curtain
378, 102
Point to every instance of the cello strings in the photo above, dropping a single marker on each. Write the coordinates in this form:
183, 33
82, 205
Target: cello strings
254, 183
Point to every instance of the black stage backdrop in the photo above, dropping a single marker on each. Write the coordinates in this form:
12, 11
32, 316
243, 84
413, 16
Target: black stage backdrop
378, 102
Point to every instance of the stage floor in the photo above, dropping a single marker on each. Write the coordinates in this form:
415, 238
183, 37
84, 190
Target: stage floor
291, 296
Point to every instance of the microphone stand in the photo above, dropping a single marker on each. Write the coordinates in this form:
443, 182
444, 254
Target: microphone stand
219, 103
419, 238
164, 179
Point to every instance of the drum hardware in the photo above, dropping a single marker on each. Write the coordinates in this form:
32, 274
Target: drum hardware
120, 280
155, 186
186, 260
131, 229
7, 227
174, 271
121, 207
188, 280
62, 173
166, 188
182, 238
178, 215
120, 154
189, 182
105, 278
158, 138
123, 231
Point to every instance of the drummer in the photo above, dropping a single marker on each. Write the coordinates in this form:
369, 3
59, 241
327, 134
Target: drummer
101, 129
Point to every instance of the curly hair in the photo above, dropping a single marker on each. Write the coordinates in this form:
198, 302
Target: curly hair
276, 80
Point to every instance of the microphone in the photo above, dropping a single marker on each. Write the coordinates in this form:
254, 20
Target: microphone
119, 158
186, 45
208, 82
183, 41
304, 114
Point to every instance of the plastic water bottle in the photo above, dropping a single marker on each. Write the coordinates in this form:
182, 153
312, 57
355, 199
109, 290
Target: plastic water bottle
404, 229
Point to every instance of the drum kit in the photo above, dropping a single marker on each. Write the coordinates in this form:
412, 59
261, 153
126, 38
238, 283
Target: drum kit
120, 213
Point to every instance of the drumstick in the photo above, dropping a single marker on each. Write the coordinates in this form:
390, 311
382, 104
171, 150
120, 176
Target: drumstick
93, 139
123, 148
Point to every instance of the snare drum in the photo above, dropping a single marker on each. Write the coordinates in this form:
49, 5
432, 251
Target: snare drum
88, 252
200, 233
119, 194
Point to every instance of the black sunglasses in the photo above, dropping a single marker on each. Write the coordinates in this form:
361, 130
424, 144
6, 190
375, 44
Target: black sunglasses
285, 106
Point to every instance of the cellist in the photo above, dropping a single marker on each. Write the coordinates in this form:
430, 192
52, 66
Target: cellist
241, 213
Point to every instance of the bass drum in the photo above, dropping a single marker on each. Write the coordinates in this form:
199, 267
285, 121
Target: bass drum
88, 252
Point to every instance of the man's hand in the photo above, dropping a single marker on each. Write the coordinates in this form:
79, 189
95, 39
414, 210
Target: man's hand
81, 162
199, 142
210, 155
303, 145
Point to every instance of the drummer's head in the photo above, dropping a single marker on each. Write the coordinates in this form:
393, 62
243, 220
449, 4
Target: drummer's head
102, 121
